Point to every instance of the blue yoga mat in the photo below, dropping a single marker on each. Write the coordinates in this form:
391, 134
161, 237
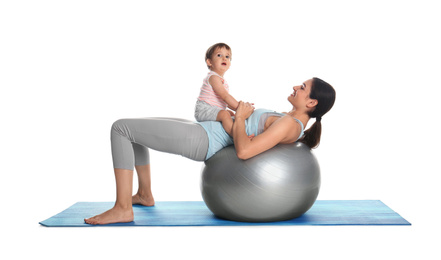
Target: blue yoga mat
195, 213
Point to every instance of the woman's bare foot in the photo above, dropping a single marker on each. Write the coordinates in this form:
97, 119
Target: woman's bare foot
114, 215
143, 200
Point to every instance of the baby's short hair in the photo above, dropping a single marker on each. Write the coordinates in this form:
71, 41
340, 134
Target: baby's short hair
213, 48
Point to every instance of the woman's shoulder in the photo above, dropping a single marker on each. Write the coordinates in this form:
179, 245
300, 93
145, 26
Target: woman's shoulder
288, 127
290, 120
295, 125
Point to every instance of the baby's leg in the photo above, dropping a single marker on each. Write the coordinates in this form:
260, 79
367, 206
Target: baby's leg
227, 122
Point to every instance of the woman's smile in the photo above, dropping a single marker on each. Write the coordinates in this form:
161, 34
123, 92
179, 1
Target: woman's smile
294, 93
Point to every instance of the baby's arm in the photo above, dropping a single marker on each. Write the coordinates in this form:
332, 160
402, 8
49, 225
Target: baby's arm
219, 89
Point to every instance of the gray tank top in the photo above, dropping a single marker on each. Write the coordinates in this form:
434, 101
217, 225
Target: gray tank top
265, 116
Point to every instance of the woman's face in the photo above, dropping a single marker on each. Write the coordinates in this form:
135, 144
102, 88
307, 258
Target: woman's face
300, 97
301, 92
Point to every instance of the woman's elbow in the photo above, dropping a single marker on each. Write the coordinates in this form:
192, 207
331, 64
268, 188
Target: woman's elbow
243, 155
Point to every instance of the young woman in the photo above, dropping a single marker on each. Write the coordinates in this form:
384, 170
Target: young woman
254, 131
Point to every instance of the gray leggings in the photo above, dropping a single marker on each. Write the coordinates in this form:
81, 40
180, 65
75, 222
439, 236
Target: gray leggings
131, 139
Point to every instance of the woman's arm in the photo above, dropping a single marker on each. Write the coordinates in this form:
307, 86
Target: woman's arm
219, 89
283, 130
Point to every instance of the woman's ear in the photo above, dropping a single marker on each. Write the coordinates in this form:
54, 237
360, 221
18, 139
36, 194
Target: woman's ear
312, 103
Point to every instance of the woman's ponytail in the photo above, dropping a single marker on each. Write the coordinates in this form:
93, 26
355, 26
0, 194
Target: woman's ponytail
312, 136
325, 96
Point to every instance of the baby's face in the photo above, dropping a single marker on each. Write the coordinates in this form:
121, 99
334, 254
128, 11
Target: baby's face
220, 61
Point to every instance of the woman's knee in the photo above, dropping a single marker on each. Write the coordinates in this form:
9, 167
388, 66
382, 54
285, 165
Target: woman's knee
121, 127
117, 124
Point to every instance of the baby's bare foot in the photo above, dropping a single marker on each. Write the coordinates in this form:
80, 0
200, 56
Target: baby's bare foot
114, 215
143, 200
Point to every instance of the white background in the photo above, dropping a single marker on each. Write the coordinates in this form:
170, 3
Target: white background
69, 69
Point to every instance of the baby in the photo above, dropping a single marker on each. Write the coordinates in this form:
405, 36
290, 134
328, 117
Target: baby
214, 97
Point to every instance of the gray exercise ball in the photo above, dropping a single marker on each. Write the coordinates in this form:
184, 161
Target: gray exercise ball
279, 184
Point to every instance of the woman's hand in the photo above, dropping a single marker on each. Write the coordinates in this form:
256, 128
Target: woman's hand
244, 110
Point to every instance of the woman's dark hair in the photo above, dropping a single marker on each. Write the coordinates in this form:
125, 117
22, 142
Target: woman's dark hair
212, 49
325, 96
